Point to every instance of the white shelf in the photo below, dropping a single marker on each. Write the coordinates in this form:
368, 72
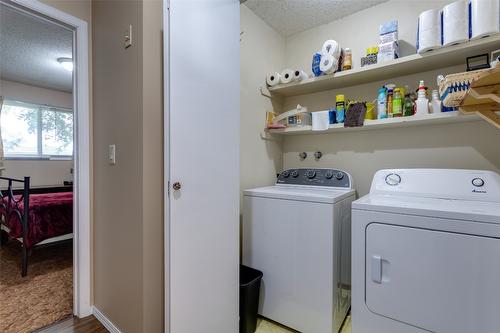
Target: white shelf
415, 63
430, 119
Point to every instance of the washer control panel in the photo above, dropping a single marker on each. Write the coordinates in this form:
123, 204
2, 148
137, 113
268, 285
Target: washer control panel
315, 177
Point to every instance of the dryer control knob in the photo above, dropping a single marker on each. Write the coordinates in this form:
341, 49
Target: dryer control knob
329, 175
295, 173
286, 174
339, 175
478, 182
311, 174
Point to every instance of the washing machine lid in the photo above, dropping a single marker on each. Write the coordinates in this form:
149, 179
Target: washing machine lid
300, 193
472, 195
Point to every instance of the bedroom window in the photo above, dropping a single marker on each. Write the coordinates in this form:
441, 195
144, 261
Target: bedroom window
36, 131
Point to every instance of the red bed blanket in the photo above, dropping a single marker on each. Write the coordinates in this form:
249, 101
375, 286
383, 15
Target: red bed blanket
50, 215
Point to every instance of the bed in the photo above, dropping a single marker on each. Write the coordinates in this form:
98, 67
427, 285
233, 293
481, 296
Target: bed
35, 218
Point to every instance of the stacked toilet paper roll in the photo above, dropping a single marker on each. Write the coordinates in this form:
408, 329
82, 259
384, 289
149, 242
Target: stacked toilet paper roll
330, 56
299, 75
485, 18
429, 30
455, 23
286, 76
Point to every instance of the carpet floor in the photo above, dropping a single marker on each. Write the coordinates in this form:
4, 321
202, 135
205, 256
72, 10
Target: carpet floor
41, 298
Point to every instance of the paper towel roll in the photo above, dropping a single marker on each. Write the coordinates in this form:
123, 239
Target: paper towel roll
273, 79
286, 76
456, 23
328, 64
485, 18
299, 75
429, 31
332, 48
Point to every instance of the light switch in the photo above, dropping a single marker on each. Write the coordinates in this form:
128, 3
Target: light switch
112, 154
127, 37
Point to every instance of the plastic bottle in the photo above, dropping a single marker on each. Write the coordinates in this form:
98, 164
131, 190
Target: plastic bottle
422, 102
408, 106
397, 104
340, 107
347, 62
389, 102
381, 104
435, 102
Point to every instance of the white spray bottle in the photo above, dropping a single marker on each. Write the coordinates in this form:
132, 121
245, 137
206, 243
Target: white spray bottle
422, 102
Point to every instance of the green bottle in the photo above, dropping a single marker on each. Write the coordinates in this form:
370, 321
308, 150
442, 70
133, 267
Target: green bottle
408, 107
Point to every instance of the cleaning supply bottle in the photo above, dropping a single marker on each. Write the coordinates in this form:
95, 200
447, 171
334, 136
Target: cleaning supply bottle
435, 102
408, 106
340, 107
381, 104
397, 103
422, 102
389, 102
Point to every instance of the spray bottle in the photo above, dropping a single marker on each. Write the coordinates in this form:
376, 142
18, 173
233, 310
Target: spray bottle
422, 102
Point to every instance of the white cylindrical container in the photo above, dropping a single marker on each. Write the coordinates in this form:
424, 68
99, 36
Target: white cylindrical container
328, 64
286, 76
455, 23
273, 79
429, 31
485, 18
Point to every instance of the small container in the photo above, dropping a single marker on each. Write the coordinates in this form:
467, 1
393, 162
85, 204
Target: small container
332, 116
389, 102
422, 103
435, 102
340, 108
382, 104
370, 111
397, 103
347, 62
408, 106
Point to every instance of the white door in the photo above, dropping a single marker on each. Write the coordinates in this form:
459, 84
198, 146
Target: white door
202, 89
439, 281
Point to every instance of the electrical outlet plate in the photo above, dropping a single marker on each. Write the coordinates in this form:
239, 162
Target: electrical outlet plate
127, 37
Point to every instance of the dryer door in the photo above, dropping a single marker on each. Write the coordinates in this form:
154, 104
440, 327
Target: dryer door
438, 281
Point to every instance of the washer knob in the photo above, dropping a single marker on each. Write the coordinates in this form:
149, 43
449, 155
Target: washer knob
478, 182
329, 175
339, 175
295, 173
286, 174
311, 174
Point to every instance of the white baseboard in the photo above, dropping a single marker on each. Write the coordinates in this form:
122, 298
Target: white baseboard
105, 321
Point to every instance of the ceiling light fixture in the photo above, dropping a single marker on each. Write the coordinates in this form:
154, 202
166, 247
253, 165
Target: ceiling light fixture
67, 63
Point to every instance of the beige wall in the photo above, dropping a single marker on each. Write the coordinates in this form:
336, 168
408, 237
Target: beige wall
468, 145
128, 237
41, 172
262, 51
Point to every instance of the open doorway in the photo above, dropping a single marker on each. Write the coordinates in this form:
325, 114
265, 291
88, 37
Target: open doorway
45, 250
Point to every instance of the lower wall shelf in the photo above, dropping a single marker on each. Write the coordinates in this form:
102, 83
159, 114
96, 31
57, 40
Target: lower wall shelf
431, 119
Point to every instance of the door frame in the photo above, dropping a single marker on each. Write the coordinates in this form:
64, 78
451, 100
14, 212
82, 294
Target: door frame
81, 161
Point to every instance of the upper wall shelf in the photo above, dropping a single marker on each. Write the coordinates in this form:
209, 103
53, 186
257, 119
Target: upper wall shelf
415, 63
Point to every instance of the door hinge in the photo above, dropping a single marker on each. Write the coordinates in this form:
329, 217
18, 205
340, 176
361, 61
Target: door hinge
168, 189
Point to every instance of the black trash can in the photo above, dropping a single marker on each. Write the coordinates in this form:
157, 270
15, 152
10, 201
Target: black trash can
249, 298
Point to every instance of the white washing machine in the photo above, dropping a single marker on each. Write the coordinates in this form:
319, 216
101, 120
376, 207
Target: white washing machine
298, 234
426, 253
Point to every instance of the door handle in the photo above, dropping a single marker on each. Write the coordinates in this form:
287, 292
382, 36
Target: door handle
176, 186
376, 263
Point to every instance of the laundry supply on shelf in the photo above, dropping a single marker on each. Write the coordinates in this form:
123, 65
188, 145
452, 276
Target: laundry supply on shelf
429, 31
299, 75
455, 23
388, 51
273, 79
320, 120
347, 59
286, 76
340, 108
316, 61
355, 114
388, 32
485, 18
296, 117
422, 103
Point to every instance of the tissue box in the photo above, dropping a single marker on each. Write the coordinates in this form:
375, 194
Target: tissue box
388, 51
388, 32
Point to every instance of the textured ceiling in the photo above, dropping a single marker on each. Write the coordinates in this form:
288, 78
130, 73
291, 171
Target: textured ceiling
29, 49
289, 17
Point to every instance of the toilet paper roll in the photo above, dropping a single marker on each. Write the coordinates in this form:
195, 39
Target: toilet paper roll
429, 31
286, 76
299, 75
485, 18
320, 120
456, 23
332, 48
273, 79
328, 64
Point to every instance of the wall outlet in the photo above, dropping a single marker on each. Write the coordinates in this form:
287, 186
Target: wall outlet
127, 37
112, 154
